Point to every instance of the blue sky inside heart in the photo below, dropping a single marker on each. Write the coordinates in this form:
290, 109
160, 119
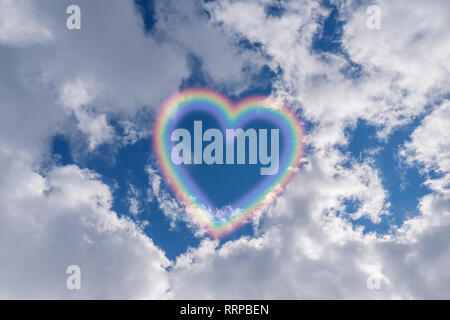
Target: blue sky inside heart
223, 185
123, 167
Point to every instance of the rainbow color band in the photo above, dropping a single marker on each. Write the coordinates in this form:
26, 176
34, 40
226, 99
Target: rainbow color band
262, 197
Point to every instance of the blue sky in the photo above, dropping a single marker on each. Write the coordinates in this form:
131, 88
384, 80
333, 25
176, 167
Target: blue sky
82, 186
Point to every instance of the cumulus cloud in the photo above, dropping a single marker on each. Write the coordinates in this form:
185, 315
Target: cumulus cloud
304, 249
390, 88
304, 252
64, 218
306, 245
113, 67
429, 143
413, 49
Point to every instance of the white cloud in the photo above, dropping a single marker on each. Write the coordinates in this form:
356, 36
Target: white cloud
112, 66
304, 250
132, 133
133, 199
76, 96
20, 25
187, 24
65, 218
408, 48
430, 142
169, 205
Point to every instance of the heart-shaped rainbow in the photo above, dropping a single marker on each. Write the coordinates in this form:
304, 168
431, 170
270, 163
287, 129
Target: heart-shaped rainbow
263, 194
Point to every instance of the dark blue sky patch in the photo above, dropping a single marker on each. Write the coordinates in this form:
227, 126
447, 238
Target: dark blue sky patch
61, 150
351, 205
197, 76
261, 83
245, 44
352, 70
146, 8
361, 139
275, 9
328, 39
